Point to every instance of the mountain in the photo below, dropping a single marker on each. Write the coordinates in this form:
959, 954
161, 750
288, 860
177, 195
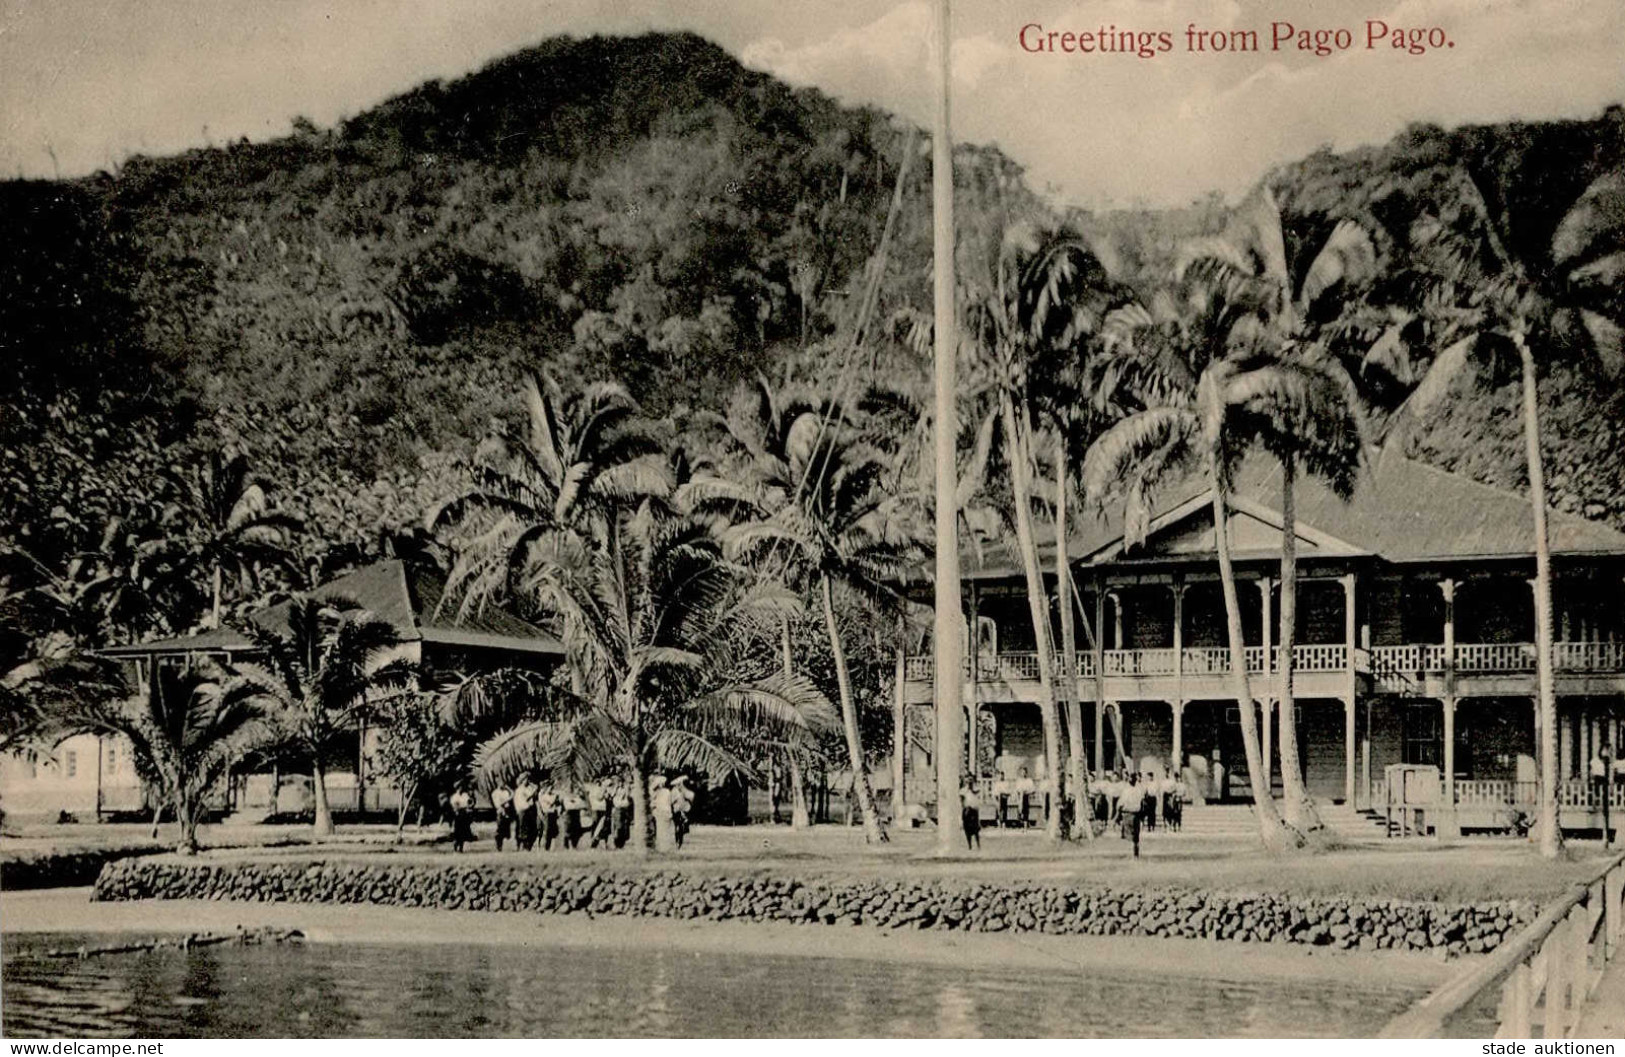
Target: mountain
353, 306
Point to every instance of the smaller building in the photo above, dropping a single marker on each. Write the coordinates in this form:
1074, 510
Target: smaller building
89, 777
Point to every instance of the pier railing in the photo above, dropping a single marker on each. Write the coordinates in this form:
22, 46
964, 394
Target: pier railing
1540, 978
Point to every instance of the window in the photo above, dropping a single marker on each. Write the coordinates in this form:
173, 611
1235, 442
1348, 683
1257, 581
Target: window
70, 763
112, 759
1424, 735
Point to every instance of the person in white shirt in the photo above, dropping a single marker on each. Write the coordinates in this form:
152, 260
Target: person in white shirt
660, 808
462, 818
1025, 787
547, 810
970, 814
598, 796
502, 802
574, 805
524, 806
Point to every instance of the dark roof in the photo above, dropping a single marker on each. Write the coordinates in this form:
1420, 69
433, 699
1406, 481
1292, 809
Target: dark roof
1402, 511
408, 599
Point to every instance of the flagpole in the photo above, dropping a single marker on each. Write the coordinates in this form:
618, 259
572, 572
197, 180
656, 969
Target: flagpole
949, 618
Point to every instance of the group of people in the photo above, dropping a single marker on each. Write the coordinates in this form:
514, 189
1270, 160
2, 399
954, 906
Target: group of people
1130, 800
530, 814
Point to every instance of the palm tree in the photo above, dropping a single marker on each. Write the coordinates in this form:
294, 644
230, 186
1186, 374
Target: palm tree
769, 436
327, 665
1134, 455
184, 731
655, 621
1287, 303
1569, 300
1044, 292
579, 458
224, 518
835, 530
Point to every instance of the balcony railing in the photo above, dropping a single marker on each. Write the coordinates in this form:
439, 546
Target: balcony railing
1498, 657
1153, 663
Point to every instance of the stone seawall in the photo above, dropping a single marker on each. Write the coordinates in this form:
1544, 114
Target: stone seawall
911, 904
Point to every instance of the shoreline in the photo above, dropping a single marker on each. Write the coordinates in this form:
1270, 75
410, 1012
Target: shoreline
72, 911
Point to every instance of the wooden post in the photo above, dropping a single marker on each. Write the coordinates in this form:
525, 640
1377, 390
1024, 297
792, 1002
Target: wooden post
949, 662
1349, 701
1448, 588
1266, 589
1100, 676
1178, 762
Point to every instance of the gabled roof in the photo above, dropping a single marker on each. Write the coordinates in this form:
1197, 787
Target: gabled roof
408, 599
1402, 511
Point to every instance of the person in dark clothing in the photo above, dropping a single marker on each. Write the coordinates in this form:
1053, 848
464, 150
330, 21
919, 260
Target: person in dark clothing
524, 805
970, 814
621, 814
1130, 811
682, 802
462, 818
574, 805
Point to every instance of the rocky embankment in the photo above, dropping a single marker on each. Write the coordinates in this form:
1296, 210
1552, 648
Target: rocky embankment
941, 905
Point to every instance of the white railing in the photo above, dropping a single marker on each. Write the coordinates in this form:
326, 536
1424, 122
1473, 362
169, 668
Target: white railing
1495, 657
1321, 658
1541, 977
1139, 662
1487, 657
1589, 656
1387, 662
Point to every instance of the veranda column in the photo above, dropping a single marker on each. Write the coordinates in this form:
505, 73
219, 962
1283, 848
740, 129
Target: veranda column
1178, 762
1266, 590
1100, 676
1447, 587
1348, 701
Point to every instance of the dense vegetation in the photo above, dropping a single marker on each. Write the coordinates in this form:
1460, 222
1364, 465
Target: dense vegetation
229, 374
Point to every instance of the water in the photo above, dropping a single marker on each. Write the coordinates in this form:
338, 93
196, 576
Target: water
357, 990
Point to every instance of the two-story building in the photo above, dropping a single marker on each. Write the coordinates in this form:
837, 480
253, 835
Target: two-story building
1414, 642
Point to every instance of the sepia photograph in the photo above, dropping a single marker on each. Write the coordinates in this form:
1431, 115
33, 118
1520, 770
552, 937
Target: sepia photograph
865, 519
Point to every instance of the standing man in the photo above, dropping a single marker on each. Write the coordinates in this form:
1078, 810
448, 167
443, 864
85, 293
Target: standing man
970, 813
502, 802
547, 811
462, 818
682, 802
524, 805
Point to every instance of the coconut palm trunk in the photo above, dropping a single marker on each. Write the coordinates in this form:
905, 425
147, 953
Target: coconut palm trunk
1077, 782
1299, 809
643, 837
324, 815
873, 833
186, 820
1037, 605
799, 819
1269, 820
1551, 840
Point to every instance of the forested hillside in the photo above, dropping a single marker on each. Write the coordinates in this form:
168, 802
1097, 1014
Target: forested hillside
351, 307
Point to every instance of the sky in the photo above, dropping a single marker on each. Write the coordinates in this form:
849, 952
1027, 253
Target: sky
85, 83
